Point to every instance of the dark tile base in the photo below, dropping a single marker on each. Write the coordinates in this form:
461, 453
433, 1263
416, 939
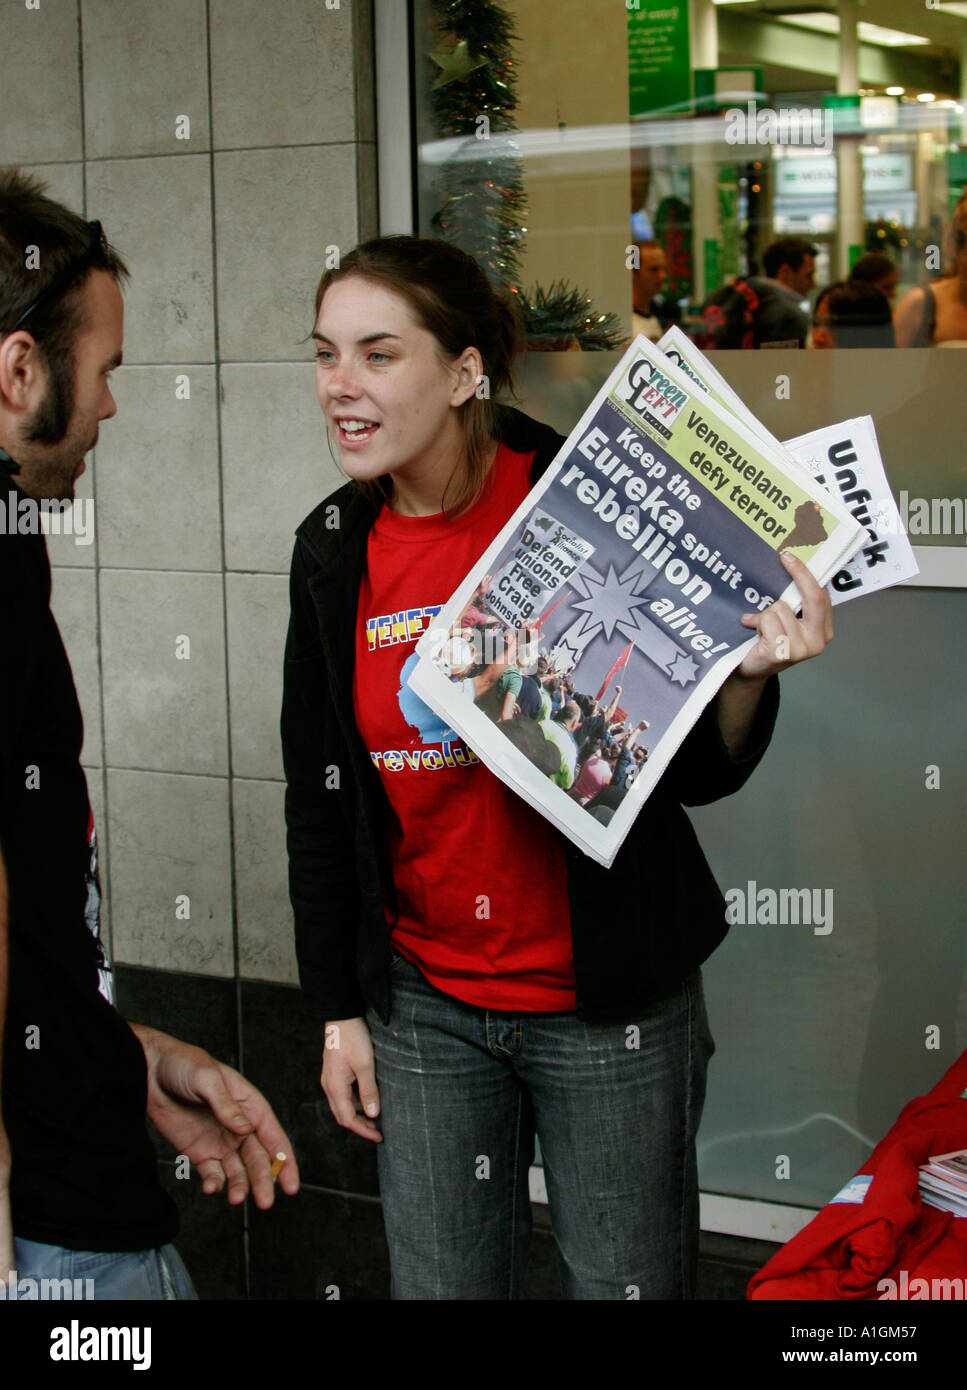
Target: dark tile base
727, 1263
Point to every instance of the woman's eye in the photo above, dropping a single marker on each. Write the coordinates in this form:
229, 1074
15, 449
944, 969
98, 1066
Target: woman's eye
323, 355
382, 356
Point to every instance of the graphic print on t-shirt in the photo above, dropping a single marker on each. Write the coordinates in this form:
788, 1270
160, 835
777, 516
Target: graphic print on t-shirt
407, 627
494, 939
428, 725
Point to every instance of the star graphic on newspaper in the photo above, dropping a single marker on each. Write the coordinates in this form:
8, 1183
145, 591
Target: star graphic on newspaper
682, 669
610, 601
885, 520
814, 464
564, 656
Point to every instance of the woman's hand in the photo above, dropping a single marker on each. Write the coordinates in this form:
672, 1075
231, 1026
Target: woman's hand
347, 1059
785, 639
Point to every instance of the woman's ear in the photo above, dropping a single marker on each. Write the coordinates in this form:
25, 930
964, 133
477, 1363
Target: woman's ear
468, 374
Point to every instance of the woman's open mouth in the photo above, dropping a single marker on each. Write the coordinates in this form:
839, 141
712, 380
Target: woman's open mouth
354, 432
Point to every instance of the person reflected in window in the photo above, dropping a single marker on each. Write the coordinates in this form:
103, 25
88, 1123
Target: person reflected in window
935, 315
653, 312
878, 270
852, 314
763, 311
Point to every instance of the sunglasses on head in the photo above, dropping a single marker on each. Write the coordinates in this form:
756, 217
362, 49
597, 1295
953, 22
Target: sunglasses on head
70, 272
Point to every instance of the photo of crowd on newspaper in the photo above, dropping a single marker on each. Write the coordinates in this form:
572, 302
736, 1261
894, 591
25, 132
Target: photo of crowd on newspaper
590, 749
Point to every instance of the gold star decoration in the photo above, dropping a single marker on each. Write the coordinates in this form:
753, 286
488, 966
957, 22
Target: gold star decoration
457, 65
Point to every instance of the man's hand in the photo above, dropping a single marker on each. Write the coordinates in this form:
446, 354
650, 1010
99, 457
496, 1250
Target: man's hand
220, 1121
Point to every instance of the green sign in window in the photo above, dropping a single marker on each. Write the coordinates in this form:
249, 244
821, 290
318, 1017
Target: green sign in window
659, 67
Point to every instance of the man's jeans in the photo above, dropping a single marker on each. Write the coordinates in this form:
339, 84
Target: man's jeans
616, 1107
140, 1274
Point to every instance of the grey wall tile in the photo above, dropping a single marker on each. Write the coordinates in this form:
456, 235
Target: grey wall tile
145, 65
258, 613
276, 212
157, 476
62, 182
161, 712
275, 456
157, 212
40, 81
74, 603
169, 837
281, 74
266, 944
76, 545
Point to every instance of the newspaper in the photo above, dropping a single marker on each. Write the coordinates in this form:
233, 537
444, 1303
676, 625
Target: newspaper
845, 456
623, 576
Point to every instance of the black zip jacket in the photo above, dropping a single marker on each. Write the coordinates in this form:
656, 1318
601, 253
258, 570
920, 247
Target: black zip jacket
638, 928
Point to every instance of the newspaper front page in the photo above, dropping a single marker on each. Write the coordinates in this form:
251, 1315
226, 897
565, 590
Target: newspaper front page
630, 564
844, 457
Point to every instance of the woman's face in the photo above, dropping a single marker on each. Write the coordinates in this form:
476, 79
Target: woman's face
888, 284
379, 368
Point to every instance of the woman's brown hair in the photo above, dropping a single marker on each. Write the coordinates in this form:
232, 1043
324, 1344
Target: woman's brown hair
452, 299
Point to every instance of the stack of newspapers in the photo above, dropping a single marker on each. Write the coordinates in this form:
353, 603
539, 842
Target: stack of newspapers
586, 641
943, 1182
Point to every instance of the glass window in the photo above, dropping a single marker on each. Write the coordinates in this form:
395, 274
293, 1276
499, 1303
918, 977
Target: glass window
789, 187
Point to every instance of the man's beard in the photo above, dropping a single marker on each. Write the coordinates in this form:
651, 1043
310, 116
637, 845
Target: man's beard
52, 419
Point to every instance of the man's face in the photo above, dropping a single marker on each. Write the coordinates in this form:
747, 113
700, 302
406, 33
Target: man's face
803, 279
50, 466
651, 273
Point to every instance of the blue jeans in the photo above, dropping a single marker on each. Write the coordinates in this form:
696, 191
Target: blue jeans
616, 1107
140, 1274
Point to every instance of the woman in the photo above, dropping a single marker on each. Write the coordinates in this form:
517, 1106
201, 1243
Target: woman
936, 314
505, 981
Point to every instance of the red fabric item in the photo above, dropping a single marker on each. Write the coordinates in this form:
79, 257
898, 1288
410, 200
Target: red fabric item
481, 879
848, 1249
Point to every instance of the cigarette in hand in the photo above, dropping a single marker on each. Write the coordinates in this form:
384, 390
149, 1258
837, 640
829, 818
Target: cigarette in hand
277, 1163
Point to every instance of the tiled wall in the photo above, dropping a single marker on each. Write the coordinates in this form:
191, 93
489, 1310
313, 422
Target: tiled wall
217, 450
216, 453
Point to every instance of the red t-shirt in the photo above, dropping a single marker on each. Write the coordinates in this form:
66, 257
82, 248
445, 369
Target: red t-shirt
481, 880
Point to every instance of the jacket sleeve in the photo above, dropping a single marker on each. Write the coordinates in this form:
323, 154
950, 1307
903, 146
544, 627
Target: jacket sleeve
319, 810
703, 770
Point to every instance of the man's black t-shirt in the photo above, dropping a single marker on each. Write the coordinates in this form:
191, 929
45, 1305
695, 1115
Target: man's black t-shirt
74, 1081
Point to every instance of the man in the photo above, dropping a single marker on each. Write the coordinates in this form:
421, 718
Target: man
764, 311
561, 731
597, 722
790, 265
627, 764
652, 313
78, 1176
